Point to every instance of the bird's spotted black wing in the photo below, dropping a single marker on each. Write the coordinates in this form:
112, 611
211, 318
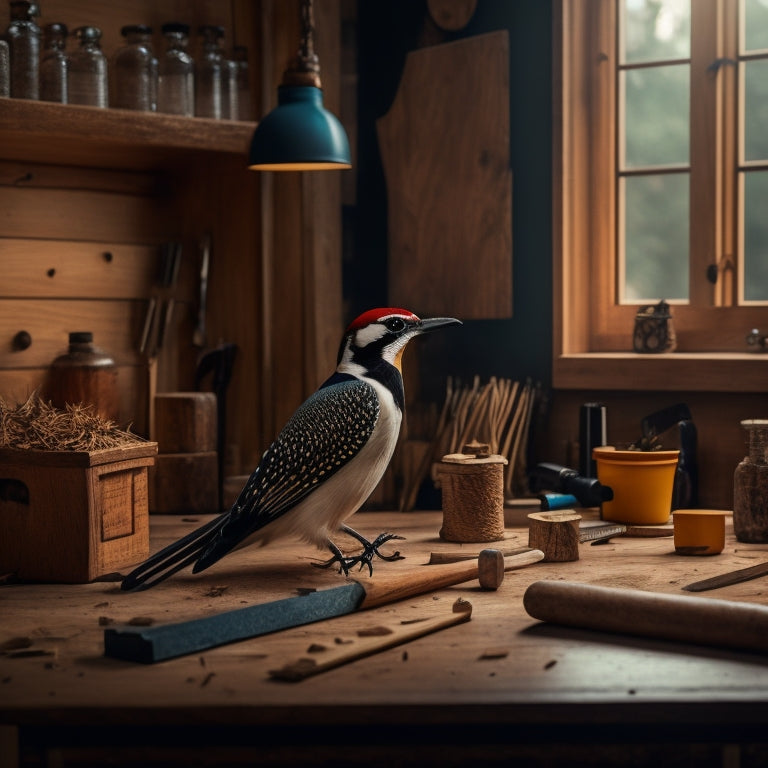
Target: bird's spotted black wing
326, 431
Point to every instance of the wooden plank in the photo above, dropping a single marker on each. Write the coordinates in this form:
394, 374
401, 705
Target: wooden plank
76, 269
82, 269
66, 177
116, 326
449, 182
113, 138
84, 215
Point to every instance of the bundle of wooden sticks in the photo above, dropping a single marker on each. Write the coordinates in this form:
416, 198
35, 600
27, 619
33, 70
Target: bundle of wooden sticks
497, 413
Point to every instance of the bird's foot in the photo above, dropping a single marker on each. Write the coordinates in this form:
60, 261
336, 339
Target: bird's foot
364, 558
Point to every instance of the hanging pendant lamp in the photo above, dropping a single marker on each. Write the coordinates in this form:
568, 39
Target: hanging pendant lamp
300, 134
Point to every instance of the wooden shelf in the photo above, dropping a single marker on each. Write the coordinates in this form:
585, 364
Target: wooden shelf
678, 371
44, 132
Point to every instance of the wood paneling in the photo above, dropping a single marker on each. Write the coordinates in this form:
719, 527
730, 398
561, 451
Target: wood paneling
78, 182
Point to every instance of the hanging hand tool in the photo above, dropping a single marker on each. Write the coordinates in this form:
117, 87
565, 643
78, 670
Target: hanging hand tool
151, 644
199, 334
158, 319
218, 362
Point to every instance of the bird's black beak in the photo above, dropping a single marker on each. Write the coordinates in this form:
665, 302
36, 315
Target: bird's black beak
433, 323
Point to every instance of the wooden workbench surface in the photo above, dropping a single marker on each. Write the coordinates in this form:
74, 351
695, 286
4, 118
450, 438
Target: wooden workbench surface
502, 666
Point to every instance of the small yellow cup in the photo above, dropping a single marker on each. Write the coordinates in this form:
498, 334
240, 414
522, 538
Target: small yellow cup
699, 531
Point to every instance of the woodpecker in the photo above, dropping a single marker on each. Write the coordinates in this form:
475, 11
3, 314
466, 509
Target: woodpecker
324, 463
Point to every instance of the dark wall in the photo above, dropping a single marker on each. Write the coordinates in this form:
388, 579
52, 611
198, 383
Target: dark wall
521, 346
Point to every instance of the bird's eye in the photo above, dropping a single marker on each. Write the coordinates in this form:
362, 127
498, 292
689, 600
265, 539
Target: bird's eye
395, 324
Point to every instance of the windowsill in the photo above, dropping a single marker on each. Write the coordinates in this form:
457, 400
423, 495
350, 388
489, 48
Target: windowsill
677, 371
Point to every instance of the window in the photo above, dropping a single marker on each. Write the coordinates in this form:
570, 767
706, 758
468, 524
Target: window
661, 161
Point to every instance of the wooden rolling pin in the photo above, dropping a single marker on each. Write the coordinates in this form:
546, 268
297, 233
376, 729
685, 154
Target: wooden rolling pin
698, 620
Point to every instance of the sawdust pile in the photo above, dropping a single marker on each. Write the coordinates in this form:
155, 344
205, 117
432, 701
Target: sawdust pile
37, 425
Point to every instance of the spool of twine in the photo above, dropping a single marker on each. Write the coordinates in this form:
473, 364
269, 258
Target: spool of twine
473, 495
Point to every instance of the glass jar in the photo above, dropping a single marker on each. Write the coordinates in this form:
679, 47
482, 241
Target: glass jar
750, 485
5, 69
244, 106
134, 71
23, 37
176, 73
209, 74
84, 375
87, 70
53, 64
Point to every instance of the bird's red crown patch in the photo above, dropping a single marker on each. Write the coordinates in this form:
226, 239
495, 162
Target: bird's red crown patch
372, 315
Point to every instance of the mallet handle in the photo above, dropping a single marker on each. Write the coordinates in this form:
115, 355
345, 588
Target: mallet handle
431, 577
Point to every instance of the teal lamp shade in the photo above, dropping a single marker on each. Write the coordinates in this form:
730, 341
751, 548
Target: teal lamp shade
299, 134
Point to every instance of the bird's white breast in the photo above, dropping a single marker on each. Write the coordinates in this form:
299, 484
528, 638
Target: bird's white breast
318, 517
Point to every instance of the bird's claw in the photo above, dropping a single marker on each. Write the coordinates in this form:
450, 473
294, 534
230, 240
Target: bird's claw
383, 538
370, 548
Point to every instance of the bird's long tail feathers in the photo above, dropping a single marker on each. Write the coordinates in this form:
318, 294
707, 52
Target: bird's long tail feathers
172, 558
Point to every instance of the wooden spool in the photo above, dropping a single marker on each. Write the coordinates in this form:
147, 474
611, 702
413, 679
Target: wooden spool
472, 484
556, 534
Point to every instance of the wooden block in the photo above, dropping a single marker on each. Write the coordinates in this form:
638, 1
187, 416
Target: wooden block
184, 483
185, 422
556, 534
71, 517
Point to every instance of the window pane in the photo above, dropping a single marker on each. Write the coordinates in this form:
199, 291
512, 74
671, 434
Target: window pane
755, 110
656, 116
655, 30
755, 25
756, 236
655, 237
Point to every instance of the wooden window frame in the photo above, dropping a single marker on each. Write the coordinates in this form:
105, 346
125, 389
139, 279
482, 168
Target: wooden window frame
592, 334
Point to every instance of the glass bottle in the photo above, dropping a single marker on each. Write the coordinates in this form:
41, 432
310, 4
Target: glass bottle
84, 374
23, 37
209, 74
244, 106
750, 485
5, 69
53, 64
230, 109
134, 71
87, 70
176, 73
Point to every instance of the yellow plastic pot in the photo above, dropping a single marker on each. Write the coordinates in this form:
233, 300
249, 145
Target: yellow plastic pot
641, 481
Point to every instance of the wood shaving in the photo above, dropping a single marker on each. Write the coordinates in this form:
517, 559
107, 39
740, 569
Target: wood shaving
37, 425
495, 653
141, 621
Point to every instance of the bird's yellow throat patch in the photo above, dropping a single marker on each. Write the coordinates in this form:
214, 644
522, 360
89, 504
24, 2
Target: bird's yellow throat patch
398, 361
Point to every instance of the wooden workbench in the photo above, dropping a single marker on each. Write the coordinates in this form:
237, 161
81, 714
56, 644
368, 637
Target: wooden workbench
499, 687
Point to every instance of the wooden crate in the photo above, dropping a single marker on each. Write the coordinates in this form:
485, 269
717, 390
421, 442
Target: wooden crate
72, 516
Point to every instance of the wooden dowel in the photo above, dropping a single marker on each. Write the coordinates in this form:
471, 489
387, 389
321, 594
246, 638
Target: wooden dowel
689, 619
